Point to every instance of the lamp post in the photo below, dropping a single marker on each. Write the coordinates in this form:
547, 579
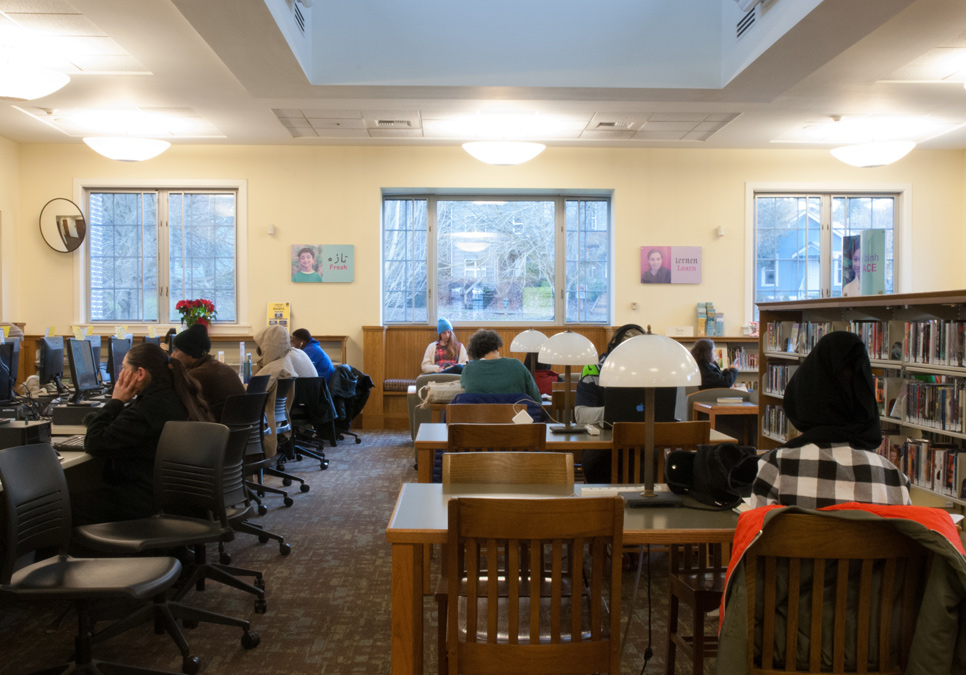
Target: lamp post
650, 361
567, 349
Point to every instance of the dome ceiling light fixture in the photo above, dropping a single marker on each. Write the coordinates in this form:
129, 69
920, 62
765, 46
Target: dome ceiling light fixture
127, 148
868, 155
504, 153
25, 83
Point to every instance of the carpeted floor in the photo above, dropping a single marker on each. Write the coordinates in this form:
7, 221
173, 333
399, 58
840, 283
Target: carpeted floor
328, 602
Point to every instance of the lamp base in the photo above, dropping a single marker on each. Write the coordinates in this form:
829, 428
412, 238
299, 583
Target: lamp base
565, 429
663, 499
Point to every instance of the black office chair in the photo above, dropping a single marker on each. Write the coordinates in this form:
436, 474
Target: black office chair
258, 384
313, 419
244, 413
283, 389
38, 518
189, 479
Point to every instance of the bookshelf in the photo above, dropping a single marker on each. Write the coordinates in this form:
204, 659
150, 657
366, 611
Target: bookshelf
741, 350
917, 347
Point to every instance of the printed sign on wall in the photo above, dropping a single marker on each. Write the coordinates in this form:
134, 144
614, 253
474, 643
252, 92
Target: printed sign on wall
315, 263
670, 264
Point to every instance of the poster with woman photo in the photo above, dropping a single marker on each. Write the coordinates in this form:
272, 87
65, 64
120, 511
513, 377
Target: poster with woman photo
305, 265
851, 265
670, 264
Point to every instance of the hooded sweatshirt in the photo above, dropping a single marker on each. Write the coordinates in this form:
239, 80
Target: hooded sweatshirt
274, 346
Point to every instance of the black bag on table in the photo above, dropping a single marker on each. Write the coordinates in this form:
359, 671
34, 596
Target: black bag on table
715, 477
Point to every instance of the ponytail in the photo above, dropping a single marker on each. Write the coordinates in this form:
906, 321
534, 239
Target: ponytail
154, 360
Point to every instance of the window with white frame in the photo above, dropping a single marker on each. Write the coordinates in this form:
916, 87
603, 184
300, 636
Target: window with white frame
150, 248
506, 258
799, 241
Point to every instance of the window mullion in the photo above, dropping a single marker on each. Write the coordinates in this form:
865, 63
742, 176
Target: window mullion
560, 262
431, 258
825, 248
164, 281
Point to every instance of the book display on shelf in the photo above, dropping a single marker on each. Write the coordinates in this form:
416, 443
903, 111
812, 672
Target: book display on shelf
917, 348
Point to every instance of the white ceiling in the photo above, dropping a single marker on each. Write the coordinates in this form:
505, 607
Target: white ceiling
614, 73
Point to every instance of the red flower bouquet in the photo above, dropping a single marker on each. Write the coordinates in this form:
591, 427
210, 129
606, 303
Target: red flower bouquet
196, 311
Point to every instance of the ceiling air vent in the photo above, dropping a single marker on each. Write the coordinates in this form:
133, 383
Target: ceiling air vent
299, 18
394, 124
614, 126
747, 22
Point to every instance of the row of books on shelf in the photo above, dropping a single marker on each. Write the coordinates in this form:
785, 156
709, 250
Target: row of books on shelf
740, 359
795, 337
934, 342
938, 342
774, 422
934, 466
710, 321
777, 376
939, 405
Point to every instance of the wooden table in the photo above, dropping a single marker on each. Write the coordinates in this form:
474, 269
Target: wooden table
433, 436
748, 413
420, 518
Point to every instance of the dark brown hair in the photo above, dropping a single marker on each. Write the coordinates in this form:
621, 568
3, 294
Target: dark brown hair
163, 369
483, 342
703, 351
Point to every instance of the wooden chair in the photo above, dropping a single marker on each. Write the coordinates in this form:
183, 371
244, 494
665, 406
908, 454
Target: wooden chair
512, 634
514, 468
558, 405
482, 413
844, 575
627, 455
560, 386
523, 468
495, 437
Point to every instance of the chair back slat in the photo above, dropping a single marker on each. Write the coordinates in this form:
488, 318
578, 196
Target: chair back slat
482, 413
496, 437
863, 579
189, 468
534, 468
627, 455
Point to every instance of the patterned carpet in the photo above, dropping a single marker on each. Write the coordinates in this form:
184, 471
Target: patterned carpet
328, 602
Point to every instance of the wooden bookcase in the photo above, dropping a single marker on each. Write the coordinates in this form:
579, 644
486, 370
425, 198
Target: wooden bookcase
892, 326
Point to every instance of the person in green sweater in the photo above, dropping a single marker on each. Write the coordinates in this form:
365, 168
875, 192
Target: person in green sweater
489, 373
306, 271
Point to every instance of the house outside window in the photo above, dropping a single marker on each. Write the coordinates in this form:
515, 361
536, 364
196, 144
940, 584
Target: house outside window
538, 259
798, 240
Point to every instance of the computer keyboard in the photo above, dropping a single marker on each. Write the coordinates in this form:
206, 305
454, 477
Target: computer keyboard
70, 443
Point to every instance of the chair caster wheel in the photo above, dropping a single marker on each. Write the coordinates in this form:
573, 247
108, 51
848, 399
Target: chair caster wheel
286, 482
189, 623
260, 608
191, 665
250, 640
358, 441
288, 501
262, 539
305, 487
284, 548
225, 558
260, 582
261, 495
262, 509
298, 458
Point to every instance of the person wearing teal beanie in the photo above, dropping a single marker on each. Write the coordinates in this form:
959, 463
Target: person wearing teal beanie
446, 352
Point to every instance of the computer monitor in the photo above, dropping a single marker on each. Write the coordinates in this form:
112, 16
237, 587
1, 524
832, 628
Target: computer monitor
626, 404
95, 341
156, 340
83, 371
116, 349
9, 367
51, 351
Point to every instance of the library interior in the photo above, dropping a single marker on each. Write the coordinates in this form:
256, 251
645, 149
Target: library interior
723, 241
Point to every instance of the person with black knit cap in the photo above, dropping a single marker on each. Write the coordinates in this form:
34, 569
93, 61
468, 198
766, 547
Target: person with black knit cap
831, 400
218, 380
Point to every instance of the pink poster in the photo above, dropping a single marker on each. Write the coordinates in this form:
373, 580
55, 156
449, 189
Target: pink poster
670, 264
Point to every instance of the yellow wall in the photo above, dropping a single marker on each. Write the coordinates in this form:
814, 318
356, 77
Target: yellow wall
9, 225
331, 195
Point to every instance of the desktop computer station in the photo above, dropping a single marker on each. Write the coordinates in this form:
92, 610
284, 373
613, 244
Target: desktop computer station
27, 419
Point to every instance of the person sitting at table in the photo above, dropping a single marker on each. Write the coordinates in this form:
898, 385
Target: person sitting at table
589, 398
446, 354
302, 339
831, 400
218, 380
712, 377
489, 373
159, 389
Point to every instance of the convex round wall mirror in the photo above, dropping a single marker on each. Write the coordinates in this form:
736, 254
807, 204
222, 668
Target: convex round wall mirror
62, 225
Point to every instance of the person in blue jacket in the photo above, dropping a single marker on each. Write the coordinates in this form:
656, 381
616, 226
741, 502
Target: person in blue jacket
302, 339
